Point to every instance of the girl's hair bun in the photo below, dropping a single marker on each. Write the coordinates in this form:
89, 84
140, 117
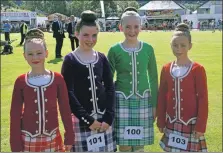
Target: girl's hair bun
34, 33
88, 16
131, 9
182, 27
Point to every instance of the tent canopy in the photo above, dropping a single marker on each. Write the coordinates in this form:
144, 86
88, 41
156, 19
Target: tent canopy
160, 5
52, 16
113, 18
208, 4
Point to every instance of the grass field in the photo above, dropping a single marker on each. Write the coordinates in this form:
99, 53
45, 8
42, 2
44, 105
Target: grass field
207, 50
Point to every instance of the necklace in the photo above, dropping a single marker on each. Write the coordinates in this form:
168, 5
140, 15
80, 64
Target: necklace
38, 76
86, 58
131, 49
44, 74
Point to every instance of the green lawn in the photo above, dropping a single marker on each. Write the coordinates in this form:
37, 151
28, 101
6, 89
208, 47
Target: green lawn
207, 50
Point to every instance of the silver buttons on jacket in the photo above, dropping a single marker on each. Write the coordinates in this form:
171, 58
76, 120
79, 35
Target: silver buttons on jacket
35, 101
84, 120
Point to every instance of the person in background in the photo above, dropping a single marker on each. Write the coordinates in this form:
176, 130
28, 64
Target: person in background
58, 34
71, 32
23, 31
7, 28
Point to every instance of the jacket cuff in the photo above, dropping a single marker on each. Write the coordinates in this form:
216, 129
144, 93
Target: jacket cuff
161, 123
200, 128
87, 120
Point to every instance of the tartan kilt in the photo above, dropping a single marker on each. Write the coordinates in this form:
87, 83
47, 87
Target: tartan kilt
82, 132
134, 111
43, 143
194, 145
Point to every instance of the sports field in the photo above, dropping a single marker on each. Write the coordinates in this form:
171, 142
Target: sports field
207, 50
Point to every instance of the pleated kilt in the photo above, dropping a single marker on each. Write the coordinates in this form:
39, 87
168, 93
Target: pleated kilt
82, 132
194, 145
135, 111
43, 143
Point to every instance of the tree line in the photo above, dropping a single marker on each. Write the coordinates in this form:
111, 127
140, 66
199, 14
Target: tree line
74, 7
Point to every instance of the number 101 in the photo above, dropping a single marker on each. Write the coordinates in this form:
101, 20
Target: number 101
95, 140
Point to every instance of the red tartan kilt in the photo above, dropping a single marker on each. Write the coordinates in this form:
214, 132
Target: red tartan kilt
43, 143
194, 145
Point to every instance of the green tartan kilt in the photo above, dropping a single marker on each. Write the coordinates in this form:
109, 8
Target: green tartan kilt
134, 111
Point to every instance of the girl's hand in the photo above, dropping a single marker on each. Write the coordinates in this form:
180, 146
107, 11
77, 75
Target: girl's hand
104, 127
68, 147
95, 126
198, 134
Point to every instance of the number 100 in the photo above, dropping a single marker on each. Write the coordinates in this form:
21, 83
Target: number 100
134, 131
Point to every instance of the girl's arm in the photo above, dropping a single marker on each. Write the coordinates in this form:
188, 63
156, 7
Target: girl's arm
202, 96
15, 117
108, 117
65, 112
153, 77
76, 108
161, 105
111, 59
